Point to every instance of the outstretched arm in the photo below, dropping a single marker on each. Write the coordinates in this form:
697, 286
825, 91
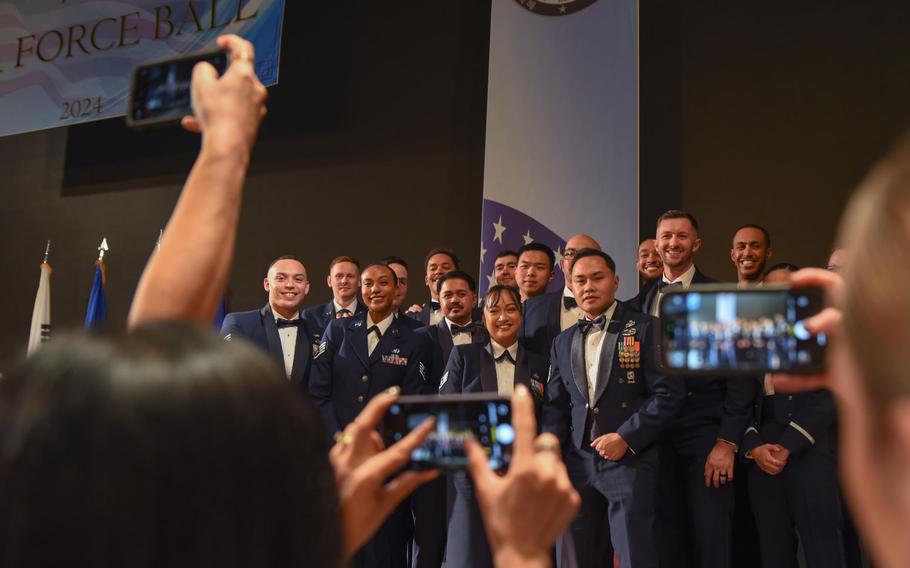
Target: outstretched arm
186, 279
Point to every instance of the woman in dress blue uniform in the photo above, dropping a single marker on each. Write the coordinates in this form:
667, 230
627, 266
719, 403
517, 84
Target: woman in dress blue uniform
496, 366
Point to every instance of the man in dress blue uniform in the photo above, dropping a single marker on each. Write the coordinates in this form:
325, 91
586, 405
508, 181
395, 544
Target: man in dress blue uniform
278, 327
358, 358
504, 266
457, 294
536, 267
696, 497
548, 315
438, 262
607, 403
343, 280
793, 485
400, 267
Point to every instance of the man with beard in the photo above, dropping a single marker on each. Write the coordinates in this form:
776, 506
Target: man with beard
457, 293
358, 358
695, 493
750, 254
547, 315
648, 263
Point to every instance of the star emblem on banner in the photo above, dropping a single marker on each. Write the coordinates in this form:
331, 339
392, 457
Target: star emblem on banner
483, 252
527, 237
500, 229
558, 253
491, 279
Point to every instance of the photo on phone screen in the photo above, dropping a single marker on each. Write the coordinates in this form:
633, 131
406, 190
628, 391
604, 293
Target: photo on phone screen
740, 331
487, 418
161, 90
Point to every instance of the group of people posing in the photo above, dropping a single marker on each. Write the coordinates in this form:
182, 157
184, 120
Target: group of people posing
661, 462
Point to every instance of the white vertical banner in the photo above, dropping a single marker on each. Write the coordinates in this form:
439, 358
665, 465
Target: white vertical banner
561, 151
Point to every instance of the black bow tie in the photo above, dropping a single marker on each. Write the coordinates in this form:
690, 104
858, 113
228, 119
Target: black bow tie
664, 286
585, 324
456, 329
569, 302
375, 328
343, 313
505, 356
281, 322
434, 305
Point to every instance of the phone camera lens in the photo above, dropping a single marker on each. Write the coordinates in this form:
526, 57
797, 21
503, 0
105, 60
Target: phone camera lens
502, 409
802, 301
505, 434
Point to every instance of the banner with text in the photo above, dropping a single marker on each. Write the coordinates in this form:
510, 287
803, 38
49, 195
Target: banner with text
562, 130
63, 62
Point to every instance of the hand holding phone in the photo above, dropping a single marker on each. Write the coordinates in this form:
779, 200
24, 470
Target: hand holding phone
721, 329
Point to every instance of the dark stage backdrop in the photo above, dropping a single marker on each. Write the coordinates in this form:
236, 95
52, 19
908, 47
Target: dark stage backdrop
767, 113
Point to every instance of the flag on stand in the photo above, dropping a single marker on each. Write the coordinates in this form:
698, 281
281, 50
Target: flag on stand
41, 314
96, 314
219, 315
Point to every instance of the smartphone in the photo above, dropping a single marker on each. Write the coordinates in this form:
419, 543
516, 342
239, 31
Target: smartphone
722, 329
486, 417
160, 91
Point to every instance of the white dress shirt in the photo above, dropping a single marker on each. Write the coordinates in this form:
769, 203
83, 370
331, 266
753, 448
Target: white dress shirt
461, 338
594, 341
288, 337
685, 278
568, 318
372, 339
352, 307
505, 369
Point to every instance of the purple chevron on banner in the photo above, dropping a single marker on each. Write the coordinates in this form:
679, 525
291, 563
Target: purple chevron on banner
507, 228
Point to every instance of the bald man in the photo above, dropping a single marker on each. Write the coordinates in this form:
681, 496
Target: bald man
547, 315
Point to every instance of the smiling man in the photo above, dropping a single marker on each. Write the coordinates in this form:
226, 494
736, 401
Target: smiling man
438, 261
278, 327
536, 264
358, 358
608, 403
701, 443
649, 265
750, 253
344, 273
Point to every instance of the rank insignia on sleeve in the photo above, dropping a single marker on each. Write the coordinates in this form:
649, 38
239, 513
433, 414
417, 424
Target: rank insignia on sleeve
227, 337
319, 350
442, 381
422, 369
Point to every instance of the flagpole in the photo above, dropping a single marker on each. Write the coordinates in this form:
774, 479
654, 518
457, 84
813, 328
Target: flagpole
47, 252
40, 330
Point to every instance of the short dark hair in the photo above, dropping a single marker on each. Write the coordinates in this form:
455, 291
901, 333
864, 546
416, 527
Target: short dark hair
678, 214
782, 266
584, 253
441, 250
394, 260
505, 252
280, 258
763, 230
539, 247
491, 298
457, 275
384, 265
340, 259
110, 438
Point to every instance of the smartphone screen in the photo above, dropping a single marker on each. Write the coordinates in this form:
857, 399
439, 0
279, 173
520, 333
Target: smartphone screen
726, 330
161, 90
487, 418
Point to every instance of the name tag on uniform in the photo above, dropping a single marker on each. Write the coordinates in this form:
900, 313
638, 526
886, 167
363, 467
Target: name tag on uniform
395, 359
